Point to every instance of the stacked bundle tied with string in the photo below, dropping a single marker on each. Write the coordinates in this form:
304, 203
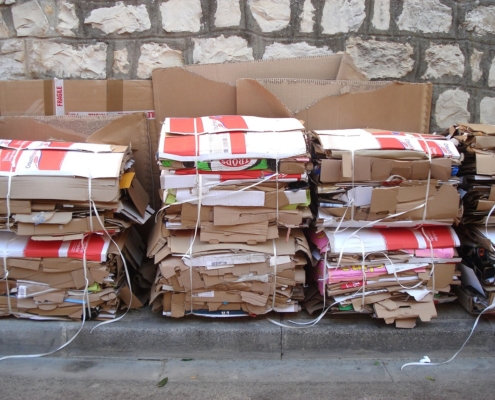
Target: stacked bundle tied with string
67, 211
383, 242
228, 240
476, 143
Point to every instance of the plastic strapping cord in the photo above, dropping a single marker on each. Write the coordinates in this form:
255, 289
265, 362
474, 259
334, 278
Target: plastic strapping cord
78, 331
199, 189
354, 234
486, 226
425, 362
9, 184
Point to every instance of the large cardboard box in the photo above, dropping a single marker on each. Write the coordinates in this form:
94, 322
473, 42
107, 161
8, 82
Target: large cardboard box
127, 130
327, 104
210, 89
88, 98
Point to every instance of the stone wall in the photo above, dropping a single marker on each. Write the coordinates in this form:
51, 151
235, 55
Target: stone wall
450, 43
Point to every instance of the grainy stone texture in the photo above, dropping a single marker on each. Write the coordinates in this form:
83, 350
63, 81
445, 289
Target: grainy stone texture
449, 42
342, 16
66, 61
279, 50
425, 16
481, 20
155, 55
12, 58
68, 23
4, 29
120, 19
181, 15
29, 19
474, 61
451, 108
380, 59
487, 110
307, 17
221, 49
444, 60
491, 74
121, 63
271, 15
228, 13
381, 14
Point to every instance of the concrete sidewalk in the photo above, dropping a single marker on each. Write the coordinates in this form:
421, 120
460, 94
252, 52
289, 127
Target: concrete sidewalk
144, 335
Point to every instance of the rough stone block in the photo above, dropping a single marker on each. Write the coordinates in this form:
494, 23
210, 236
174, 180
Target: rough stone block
474, 61
155, 55
381, 15
120, 19
380, 59
342, 16
481, 20
271, 15
427, 16
228, 13
487, 110
301, 49
452, 108
307, 17
444, 60
67, 19
221, 49
12, 57
29, 19
491, 74
121, 63
4, 29
181, 15
50, 59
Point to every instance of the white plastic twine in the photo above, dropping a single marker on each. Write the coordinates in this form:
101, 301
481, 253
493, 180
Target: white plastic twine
199, 188
486, 227
426, 362
354, 235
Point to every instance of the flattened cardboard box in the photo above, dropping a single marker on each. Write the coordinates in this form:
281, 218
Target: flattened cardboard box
210, 89
325, 104
86, 98
118, 130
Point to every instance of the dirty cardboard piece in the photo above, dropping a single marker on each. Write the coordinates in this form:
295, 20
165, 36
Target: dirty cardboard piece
210, 89
340, 104
88, 98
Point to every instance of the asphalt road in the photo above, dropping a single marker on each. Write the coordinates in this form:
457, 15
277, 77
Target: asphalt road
118, 378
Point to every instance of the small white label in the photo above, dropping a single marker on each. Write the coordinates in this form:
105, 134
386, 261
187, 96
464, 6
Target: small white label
21, 292
59, 97
205, 294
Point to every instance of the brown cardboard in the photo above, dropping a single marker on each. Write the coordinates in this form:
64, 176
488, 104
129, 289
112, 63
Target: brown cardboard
119, 130
339, 104
395, 310
380, 169
210, 89
37, 97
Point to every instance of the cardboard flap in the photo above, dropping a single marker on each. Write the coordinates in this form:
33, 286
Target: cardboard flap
254, 99
59, 218
397, 106
348, 70
175, 88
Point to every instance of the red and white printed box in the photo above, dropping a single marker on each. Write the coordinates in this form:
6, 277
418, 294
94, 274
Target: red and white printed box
371, 139
373, 240
229, 137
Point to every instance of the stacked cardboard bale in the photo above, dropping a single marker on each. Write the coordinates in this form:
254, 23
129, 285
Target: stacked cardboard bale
228, 240
476, 143
384, 203
67, 211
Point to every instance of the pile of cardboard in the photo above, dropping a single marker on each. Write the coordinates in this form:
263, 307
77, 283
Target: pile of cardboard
373, 192
235, 194
476, 143
67, 211
396, 274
